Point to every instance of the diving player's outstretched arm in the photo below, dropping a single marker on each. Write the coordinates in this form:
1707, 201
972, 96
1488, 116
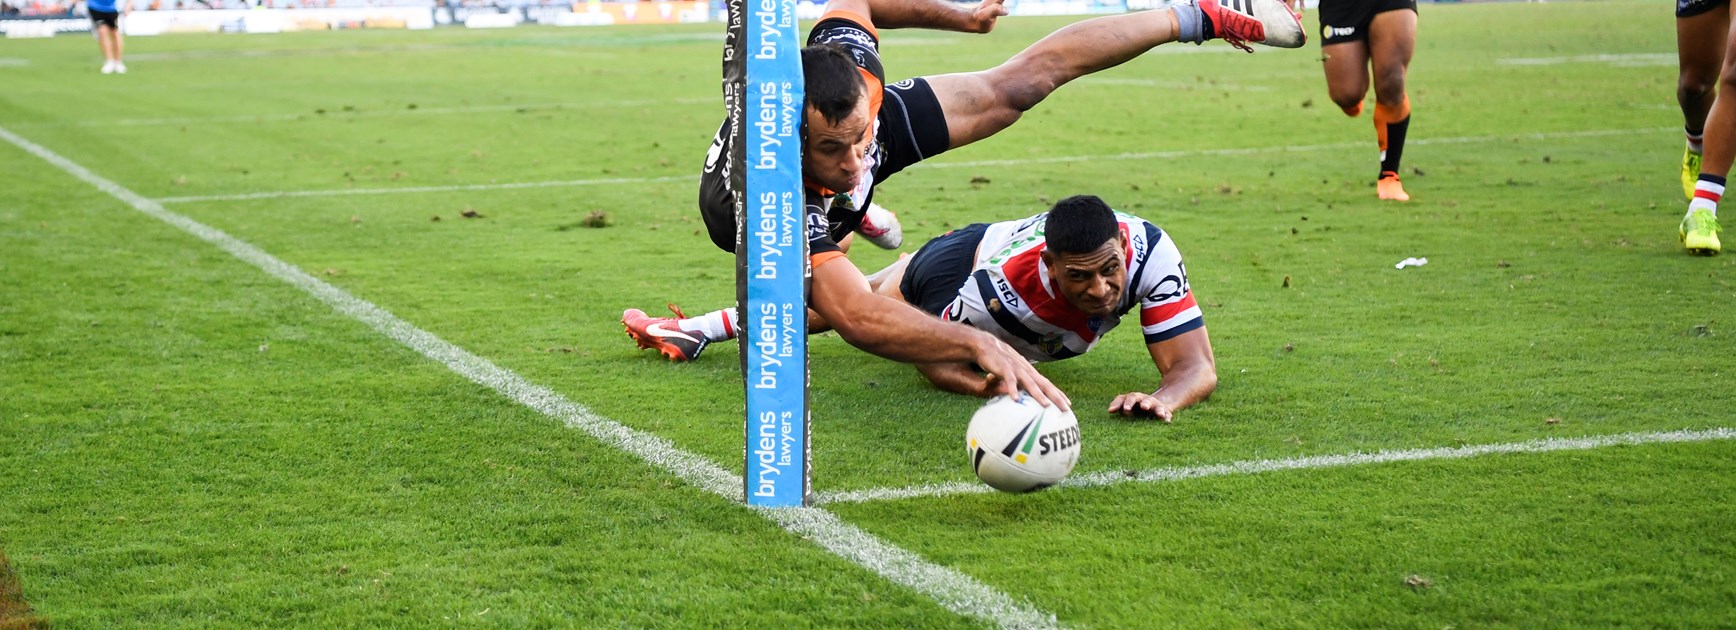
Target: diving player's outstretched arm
1189, 373
892, 329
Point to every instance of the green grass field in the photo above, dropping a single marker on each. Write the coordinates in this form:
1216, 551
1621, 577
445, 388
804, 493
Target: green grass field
189, 441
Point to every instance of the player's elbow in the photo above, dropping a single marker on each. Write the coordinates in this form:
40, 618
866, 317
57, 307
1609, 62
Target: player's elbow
1208, 381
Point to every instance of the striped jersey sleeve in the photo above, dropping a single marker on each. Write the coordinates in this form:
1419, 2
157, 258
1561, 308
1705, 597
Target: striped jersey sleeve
1166, 305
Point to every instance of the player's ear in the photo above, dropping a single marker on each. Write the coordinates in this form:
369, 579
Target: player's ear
1048, 257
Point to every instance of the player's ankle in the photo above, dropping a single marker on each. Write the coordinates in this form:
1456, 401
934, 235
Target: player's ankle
1192, 25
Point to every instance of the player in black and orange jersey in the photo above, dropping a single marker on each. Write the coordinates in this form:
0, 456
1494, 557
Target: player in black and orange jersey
1700, 29
1360, 36
859, 132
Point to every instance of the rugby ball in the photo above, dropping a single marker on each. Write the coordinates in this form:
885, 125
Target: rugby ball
1017, 445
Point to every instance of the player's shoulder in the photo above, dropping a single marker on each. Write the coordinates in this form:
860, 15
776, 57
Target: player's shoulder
1142, 235
845, 28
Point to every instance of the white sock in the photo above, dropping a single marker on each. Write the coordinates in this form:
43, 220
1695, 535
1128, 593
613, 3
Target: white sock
718, 325
1706, 196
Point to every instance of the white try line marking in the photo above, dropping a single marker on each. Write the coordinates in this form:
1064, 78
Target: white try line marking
1150, 155
339, 114
956, 591
1099, 479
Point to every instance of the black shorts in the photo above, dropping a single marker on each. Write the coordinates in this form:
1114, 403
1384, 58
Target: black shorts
1691, 8
108, 18
1347, 20
912, 126
912, 129
938, 270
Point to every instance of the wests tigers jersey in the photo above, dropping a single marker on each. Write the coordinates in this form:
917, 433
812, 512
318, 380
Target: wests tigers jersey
1010, 292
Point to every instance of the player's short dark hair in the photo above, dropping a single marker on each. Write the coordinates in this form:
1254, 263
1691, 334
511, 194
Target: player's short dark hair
1080, 225
832, 82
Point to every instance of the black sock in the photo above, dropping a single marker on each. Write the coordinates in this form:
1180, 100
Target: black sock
1394, 145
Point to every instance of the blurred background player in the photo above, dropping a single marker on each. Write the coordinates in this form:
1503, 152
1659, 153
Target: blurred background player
1701, 26
1360, 36
105, 22
1054, 284
860, 131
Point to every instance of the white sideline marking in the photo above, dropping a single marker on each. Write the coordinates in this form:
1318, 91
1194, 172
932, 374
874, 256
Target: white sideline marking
1629, 60
13, 62
958, 592
1154, 155
1185, 85
1099, 479
368, 113
425, 189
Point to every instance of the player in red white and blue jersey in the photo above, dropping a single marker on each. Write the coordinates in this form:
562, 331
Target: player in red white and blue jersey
1053, 285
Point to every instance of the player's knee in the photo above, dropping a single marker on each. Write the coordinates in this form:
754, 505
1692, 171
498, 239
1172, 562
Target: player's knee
1389, 86
1350, 103
1692, 87
1025, 80
1020, 94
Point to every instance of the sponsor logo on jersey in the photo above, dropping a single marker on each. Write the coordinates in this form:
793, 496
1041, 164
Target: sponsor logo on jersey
846, 35
1328, 31
1008, 296
1169, 288
817, 225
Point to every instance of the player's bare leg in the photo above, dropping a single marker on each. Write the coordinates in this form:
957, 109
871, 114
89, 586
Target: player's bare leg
1700, 54
110, 53
1392, 37
119, 44
1699, 228
979, 104
887, 281
1346, 66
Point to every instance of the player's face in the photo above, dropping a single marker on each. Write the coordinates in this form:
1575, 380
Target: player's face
834, 157
1091, 282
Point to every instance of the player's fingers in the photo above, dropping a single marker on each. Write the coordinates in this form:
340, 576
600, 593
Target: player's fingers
994, 383
1002, 382
1115, 405
1050, 391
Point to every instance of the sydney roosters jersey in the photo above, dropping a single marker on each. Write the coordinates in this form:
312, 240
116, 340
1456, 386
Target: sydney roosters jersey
1011, 294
